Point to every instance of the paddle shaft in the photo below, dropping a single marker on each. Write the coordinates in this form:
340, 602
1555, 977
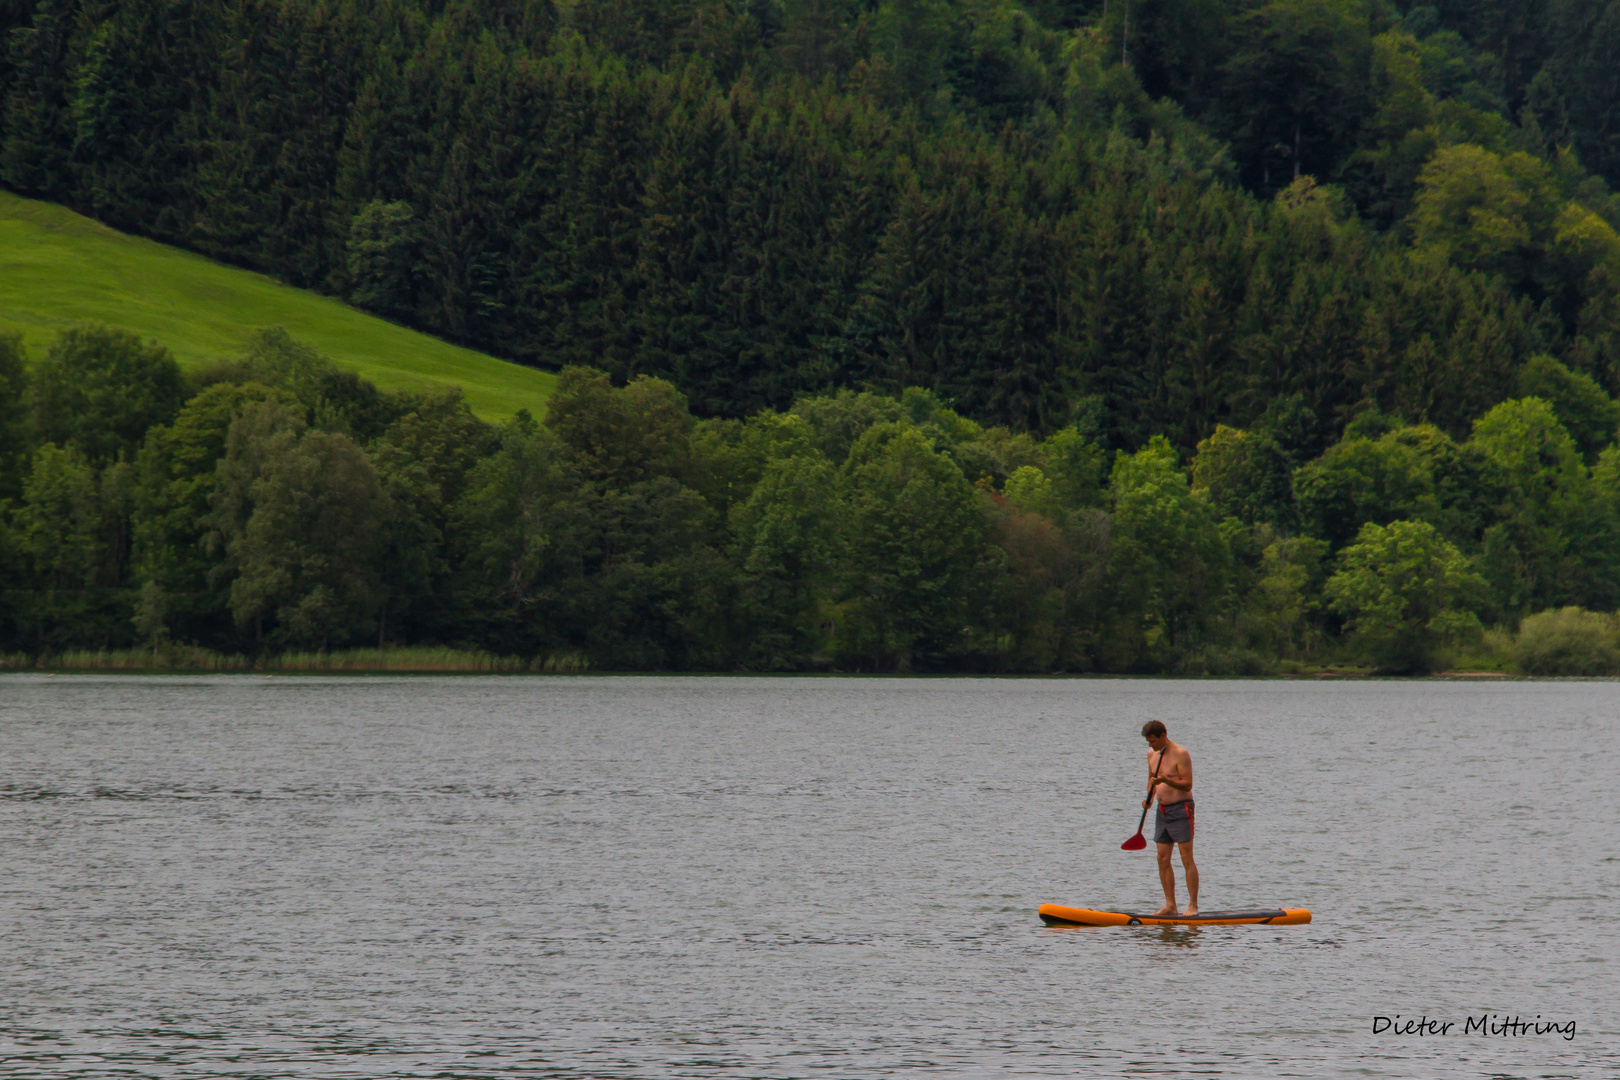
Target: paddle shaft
1149, 800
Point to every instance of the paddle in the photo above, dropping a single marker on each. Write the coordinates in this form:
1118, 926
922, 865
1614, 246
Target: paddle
1138, 842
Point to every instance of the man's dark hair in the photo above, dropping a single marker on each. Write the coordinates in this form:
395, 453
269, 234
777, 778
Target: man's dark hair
1153, 729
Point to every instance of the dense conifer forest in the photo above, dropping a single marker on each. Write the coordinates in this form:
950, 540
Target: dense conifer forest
1166, 335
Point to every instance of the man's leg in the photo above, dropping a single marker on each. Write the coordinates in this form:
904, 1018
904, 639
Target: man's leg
1190, 867
1167, 878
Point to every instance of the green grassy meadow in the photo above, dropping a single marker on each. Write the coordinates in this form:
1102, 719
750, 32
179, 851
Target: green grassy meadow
58, 268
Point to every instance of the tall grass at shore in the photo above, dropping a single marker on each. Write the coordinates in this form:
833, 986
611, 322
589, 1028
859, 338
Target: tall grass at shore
405, 659
173, 658
1567, 642
420, 658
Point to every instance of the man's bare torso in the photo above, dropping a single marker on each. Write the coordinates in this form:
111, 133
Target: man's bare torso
1178, 767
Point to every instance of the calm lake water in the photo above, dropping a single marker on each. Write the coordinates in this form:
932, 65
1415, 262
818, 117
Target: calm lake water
729, 877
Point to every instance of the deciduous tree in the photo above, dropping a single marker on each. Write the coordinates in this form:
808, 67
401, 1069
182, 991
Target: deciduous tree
1406, 594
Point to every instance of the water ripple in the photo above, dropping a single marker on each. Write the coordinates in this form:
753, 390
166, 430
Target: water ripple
681, 877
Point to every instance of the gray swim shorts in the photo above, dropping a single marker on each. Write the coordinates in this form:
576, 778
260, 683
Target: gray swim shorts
1174, 823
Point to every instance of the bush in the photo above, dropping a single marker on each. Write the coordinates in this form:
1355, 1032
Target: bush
1570, 641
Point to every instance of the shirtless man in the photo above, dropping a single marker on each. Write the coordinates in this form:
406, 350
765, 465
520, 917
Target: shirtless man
1174, 822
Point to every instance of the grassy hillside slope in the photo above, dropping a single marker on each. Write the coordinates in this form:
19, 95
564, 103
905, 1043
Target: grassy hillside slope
58, 268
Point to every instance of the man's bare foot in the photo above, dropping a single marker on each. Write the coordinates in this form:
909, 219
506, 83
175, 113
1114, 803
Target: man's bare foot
1168, 909
1192, 909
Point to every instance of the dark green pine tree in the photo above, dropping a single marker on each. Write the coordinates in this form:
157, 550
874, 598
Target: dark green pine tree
36, 154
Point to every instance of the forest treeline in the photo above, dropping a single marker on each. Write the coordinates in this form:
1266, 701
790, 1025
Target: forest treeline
271, 502
1167, 335
1153, 217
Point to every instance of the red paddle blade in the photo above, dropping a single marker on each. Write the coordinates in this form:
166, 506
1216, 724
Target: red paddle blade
1135, 843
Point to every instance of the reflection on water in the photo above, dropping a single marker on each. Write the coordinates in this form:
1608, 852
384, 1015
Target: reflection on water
642, 877
1179, 936
1185, 937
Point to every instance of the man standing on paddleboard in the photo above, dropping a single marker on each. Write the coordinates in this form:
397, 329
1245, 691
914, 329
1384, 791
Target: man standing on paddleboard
1170, 773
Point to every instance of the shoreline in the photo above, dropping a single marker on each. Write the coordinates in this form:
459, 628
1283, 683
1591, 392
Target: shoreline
427, 662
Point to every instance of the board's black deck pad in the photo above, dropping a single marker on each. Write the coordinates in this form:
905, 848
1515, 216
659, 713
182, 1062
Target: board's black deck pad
1202, 916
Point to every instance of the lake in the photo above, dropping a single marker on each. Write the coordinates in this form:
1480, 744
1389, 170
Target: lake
566, 877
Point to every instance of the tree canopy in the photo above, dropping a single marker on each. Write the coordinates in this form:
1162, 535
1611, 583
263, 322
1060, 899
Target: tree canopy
279, 507
1160, 216
1182, 335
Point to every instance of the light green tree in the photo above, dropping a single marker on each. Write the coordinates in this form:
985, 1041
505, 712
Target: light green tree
309, 551
1030, 490
14, 434
100, 389
174, 485
1477, 210
1409, 473
1586, 411
1542, 488
69, 537
1040, 578
1171, 562
1287, 596
912, 534
59, 523
1246, 475
302, 519
1076, 466
506, 522
1406, 594
152, 617
785, 549
620, 435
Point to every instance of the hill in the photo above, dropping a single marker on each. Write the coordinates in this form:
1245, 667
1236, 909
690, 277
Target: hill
1196, 336
1146, 218
58, 268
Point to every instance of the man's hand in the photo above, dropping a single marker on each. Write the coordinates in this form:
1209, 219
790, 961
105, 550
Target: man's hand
1147, 802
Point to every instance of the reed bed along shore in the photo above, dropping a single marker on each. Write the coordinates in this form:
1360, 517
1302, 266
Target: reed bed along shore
421, 659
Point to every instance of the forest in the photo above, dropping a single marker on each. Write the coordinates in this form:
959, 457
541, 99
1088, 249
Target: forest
1177, 335
273, 502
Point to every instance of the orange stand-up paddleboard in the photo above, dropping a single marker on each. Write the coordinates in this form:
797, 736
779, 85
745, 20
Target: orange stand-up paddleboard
1059, 915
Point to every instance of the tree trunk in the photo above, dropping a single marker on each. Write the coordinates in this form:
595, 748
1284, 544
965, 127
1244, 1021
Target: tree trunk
1296, 151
